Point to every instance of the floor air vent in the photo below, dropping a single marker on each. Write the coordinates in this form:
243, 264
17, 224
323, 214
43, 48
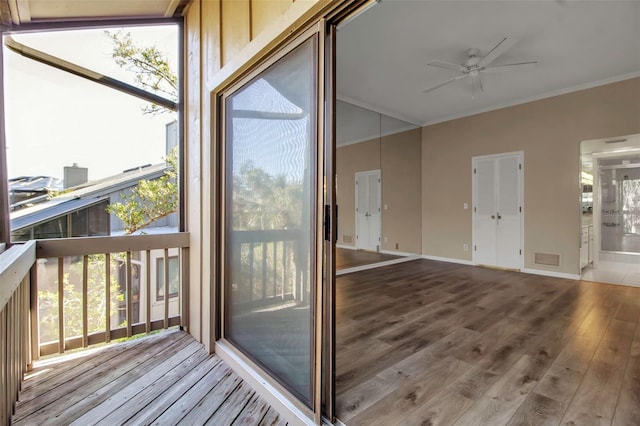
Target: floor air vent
547, 259
347, 238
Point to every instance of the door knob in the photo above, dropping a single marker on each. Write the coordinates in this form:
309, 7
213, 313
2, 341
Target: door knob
499, 217
493, 216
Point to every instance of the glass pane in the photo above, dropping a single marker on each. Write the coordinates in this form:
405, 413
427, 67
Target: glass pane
620, 199
270, 163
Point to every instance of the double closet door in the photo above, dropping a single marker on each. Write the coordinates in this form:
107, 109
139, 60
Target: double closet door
497, 211
368, 215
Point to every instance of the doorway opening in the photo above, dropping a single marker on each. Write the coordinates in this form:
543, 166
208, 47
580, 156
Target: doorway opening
610, 210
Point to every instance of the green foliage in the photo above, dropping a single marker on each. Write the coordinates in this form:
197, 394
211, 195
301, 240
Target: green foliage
262, 201
149, 200
152, 69
96, 300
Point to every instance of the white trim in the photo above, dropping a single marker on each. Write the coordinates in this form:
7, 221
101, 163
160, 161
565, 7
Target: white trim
365, 105
376, 265
272, 396
378, 135
551, 274
546, 95
474, 190
447, 259
342, 246
398, 253
171, 8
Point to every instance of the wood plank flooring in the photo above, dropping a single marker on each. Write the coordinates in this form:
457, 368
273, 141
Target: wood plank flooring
347, 258
165, 379
432, 343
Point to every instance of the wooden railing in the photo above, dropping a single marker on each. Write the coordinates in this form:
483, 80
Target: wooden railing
15, 296
270, 263
97, 289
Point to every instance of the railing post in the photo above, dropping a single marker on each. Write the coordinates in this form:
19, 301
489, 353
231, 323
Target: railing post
184, 288
107, 291
85, 302
61, 305
148, 292
166, 288
129, 295
34, 314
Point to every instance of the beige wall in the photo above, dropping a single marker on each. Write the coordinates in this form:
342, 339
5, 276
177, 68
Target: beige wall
351, 159
549, 132
398, 156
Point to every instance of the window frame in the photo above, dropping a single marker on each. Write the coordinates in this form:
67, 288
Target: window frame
5, 224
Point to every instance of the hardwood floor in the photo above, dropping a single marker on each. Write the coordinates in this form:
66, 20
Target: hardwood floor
347, 258
432, 343
165, 379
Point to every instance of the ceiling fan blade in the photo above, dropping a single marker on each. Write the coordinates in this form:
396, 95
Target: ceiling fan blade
511, 67
500, 48
451, 80
476, 85
447, 66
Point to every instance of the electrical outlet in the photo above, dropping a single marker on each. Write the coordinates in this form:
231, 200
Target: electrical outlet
465, 247
465, 206
386, 239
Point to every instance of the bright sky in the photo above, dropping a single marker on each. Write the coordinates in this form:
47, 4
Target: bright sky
55, 119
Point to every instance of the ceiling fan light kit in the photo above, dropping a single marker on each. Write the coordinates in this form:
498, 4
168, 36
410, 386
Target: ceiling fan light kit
475, 65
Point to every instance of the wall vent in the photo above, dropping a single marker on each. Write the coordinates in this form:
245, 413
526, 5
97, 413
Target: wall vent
347, 238
547, 259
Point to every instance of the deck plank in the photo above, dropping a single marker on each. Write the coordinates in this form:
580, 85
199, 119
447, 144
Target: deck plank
100, 379
241, 398
153, 409
161, 379
118, 408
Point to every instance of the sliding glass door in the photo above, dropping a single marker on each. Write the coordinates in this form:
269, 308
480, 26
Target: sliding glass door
273, 164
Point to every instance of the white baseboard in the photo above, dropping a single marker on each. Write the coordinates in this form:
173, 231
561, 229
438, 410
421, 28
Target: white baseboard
376, 265
398, 253
447, 259
551, 273
342, 246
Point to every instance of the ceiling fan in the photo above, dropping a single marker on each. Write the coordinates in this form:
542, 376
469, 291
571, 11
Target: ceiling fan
475, 65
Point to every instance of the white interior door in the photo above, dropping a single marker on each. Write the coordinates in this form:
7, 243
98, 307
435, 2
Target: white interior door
368, 214
498, 210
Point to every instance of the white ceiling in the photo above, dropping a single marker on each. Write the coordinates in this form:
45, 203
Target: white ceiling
26, 11
382, 53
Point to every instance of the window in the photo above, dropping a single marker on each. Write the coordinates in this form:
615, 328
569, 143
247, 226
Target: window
174, 277
73, 140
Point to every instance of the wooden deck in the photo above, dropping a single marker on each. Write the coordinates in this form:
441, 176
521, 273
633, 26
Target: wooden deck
432, 343
165, 379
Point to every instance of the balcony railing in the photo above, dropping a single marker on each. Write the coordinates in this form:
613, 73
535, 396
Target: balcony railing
63, 294
15, 297
269, 263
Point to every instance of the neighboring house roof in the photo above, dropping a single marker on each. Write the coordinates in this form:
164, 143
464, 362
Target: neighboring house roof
34, 184
51, 212
82, 196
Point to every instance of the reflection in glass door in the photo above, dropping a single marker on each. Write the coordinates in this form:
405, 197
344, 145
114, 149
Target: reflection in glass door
620, 206
270, 219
